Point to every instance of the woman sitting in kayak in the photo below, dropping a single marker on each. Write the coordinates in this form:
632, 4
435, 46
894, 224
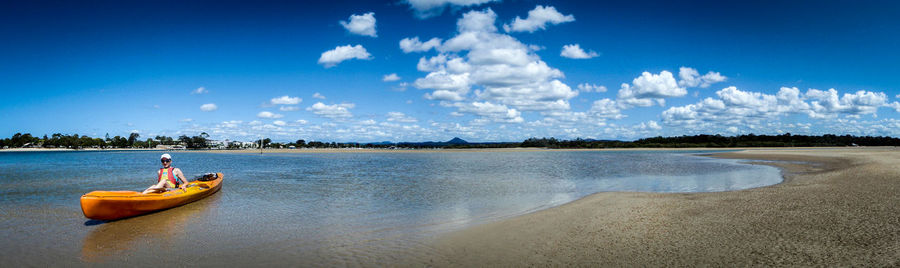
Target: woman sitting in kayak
167, 177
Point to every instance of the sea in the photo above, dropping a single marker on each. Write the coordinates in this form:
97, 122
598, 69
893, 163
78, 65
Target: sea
318, 209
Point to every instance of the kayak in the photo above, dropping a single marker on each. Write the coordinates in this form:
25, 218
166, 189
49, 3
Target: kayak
113, 205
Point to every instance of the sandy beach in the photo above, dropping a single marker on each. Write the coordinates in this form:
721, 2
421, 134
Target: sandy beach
836, 207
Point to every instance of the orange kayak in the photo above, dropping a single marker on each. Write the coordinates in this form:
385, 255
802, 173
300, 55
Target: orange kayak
112, 205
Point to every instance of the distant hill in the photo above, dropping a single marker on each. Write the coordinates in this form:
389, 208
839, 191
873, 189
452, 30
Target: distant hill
457, 140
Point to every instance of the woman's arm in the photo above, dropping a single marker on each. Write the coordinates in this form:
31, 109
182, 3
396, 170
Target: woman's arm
180, 176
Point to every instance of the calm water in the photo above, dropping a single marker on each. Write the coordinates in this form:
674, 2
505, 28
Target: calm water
316, 209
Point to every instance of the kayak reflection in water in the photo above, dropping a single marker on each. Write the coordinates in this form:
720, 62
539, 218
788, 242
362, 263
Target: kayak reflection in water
167, 177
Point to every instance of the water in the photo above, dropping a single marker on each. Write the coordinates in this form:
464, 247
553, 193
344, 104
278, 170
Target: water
319, 209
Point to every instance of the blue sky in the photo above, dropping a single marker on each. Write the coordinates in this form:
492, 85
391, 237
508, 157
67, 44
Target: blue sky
481, 70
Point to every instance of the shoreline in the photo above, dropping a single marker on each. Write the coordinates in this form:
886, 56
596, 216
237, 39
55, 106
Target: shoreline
835, 207
370, 150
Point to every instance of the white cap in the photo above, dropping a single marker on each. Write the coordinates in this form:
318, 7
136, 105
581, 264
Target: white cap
165, 156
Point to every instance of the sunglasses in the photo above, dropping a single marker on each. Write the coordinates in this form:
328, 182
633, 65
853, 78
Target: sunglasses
166, 160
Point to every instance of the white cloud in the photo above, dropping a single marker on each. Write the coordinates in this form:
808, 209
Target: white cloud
691, 78
279, 123
537, 19
333, 111
368, 122
301, 121
199, 90
895, 105
286, 100
341, 53
505, 70
575, 52
585, 87
361, 24
606, 108
650, 88
209, 107
269, 115
490, 111
414, 45
290, 108
400, 117
649, 125
446, 86
477, 21
390, 77
186, 120
318, 96
827, 103
737, 108
429, 8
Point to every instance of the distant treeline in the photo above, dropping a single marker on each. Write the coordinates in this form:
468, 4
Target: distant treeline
201, 142
78, 142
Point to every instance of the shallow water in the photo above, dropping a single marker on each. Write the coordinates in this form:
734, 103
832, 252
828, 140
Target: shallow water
344, 209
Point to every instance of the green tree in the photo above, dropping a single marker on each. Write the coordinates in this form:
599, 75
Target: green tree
132, 138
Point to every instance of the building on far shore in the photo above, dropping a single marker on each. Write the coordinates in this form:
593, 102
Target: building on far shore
170, 147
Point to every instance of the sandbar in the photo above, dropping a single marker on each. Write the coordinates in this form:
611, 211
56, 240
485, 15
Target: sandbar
836, 207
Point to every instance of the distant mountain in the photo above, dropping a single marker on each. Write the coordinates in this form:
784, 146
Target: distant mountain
457, 140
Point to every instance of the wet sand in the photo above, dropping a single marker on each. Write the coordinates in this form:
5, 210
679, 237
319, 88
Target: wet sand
836, 207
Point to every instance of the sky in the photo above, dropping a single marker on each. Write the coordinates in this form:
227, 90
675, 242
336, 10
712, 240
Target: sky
431, 70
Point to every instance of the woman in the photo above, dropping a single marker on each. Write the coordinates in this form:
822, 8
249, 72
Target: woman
167, 177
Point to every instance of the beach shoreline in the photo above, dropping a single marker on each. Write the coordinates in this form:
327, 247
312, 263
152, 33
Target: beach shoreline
385, 150
836, 207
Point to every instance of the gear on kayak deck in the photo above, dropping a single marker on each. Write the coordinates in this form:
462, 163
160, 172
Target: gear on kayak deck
207, 177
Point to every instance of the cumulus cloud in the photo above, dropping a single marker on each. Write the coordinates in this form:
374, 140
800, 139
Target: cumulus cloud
424, 9
279, 123
585, 87
735, 107
606, 108
649, 125
414, 45
317, 95
289, 108
504, 70
286, 100
690, 77
390, 77
334, 111
209, 107
269, 115
537, 19
575, 52
827, 103
199, 90
400, 117
490, 111
650, 88
361, 24
446, 86
332, 57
